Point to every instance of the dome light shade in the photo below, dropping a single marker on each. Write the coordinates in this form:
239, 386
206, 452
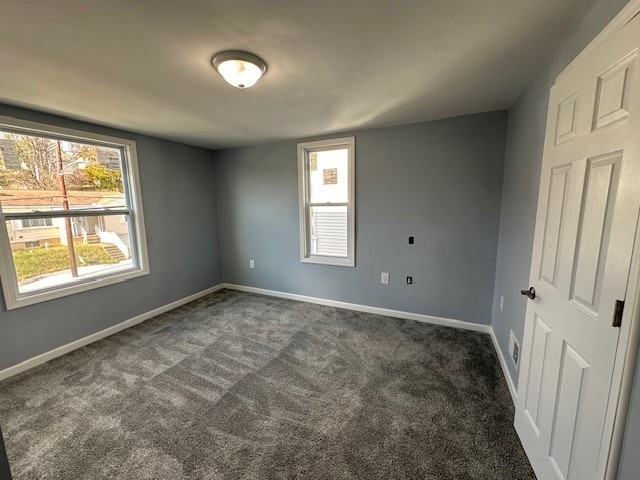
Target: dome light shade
240, 69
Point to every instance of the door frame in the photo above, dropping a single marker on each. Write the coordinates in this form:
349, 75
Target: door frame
624, 368
627, 354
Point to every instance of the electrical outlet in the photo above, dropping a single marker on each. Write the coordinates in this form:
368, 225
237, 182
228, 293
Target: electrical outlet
252, 264
409, 280
514, 349
384, 278
502, 303
411, 240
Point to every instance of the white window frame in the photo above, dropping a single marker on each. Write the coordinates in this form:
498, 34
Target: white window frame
22, 227
304, 150
131, 182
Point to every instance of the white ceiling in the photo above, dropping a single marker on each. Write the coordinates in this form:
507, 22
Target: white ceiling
334, 65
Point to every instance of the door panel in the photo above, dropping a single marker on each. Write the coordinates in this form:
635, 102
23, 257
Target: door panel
536, 371
573, 370
566, 121
594, 229
555, 214
612, 99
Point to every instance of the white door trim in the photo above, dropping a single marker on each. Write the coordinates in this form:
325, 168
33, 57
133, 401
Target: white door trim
625, 365
620, 20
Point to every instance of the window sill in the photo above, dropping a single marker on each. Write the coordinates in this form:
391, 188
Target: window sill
14, 301
333, 261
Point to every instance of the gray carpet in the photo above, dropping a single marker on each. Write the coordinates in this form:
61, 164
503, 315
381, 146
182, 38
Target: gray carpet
241, 386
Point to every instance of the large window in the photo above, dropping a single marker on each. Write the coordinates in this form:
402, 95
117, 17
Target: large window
326, 172
70, 212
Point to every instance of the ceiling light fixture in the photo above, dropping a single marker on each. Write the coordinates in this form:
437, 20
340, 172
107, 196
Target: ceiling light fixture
240, 69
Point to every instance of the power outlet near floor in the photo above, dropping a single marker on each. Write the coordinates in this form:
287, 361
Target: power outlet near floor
384, 278
252, 264
514, 349
502, 303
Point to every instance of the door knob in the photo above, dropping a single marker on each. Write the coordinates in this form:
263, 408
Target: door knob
531, 293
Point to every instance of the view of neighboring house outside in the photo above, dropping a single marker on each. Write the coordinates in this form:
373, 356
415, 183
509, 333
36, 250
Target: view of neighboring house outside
25, 234
45, 232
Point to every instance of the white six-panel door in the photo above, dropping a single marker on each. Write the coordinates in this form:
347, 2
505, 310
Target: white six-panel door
585, 229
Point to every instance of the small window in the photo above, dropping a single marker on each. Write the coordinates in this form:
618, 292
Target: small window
70, 212
326, 174
35, 222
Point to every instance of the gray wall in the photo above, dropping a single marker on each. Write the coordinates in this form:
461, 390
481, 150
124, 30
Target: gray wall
525, 138
439, 181
179, 200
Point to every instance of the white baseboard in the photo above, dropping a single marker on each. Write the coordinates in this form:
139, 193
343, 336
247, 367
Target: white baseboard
446, 322
69, 347
503, 364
